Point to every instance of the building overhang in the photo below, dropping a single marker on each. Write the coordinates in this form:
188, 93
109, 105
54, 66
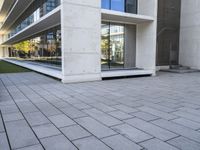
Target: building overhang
5, 6
48, 21
14, 13
121, 17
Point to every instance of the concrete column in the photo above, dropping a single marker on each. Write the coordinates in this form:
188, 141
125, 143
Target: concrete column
146, 36
189, 54
81, 28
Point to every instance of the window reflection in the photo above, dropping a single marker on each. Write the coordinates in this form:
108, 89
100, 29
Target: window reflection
45, 48
118, 5
129, 6
112, 46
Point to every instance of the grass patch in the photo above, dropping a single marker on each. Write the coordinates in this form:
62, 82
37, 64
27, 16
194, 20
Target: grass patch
6, 67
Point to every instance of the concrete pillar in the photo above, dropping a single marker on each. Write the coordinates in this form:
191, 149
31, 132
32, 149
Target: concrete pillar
81, 27
189, 54
146, 36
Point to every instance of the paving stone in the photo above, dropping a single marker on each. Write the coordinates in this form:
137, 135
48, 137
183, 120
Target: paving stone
120, 115
9, 109
27, 107
4, 142
132, 133
36, 118
72, 100
61, 104
157, 107
1, 125
145, 116
151, 129
188, 116
46, 130
187, 123
48, 109
75, 132
118, 142
103, 107
157, 113
190, 110
155, 144
125, 108
20, 134
81, 106
90, 143
170, 105
184, 144
178, 129
34, 147
103, 117
73, 112
61, 120
96, 128
58, 142
12, 117
189, 105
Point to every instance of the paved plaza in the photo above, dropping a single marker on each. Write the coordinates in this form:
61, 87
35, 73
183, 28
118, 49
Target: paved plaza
148, 113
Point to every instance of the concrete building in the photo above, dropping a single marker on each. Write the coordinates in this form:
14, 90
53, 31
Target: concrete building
87, 40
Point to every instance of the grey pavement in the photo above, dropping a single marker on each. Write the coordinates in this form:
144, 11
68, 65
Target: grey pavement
147, 113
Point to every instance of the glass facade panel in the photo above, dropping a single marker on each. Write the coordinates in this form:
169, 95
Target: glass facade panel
112, 46
118, 5
45, 48
105, 4
129, 6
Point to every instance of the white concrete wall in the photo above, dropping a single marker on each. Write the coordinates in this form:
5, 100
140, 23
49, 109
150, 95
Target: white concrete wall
81, 28
190, 34
146, 36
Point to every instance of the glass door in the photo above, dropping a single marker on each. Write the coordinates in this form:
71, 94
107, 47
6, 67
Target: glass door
112, 46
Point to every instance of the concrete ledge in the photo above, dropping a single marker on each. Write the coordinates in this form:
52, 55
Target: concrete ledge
121, 17
121, 73
81, 78
38, 68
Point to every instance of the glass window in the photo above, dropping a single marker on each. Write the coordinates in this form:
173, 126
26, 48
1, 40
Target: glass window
45, 48
105, 4
131, 6
118, 5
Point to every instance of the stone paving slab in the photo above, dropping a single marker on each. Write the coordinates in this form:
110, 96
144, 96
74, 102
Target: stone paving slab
40, 113
132, 133
4, 142
58, 142
119, 142
20, 134
184, 143
155, 144
151, 129
91, 143
75, 132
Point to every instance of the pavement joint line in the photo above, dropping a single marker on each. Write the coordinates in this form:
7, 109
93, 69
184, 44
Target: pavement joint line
70, 118
49, 120
24, 118
1, 116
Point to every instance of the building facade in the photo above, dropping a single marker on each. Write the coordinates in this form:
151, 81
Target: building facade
94, 39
